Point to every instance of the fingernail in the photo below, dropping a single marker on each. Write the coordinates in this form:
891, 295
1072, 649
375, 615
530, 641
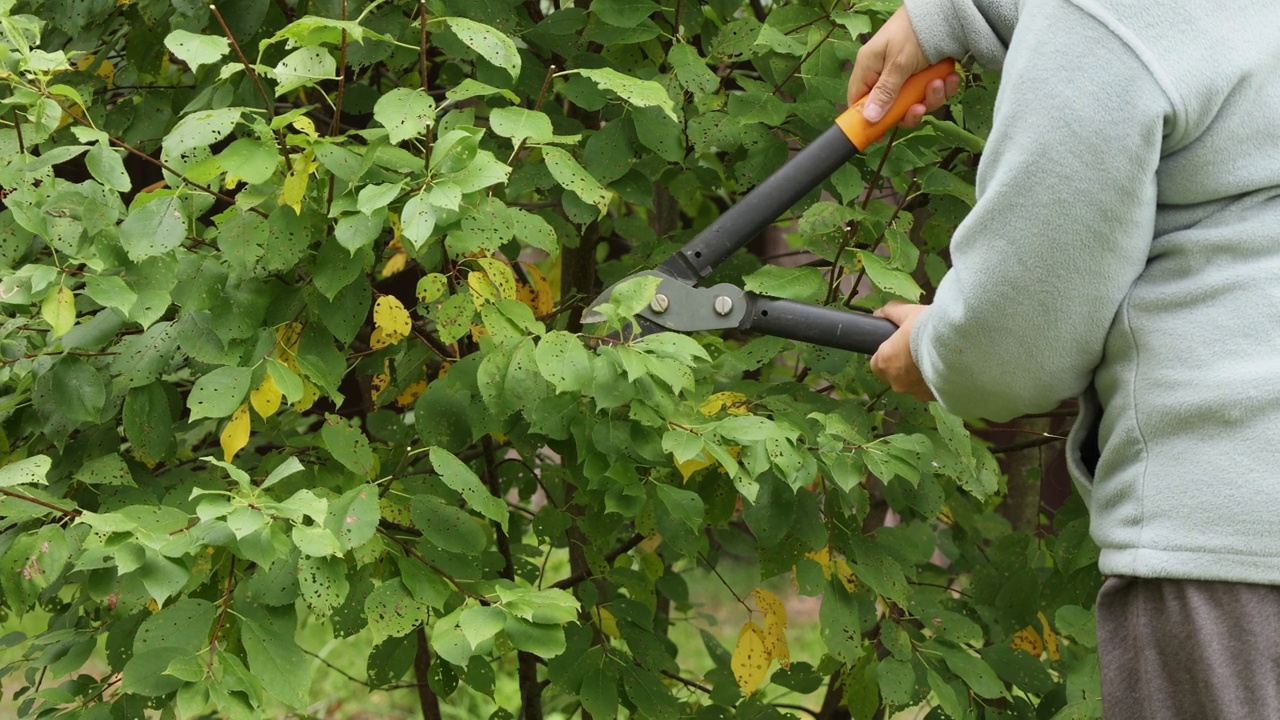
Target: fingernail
872, 112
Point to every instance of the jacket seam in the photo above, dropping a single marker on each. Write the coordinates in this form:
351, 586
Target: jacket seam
1148, 59
1137, 423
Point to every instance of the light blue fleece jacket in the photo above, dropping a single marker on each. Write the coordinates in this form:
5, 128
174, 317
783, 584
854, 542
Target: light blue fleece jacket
1125, 248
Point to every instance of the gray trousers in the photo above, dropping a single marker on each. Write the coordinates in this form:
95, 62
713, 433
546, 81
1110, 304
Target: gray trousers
1172, 649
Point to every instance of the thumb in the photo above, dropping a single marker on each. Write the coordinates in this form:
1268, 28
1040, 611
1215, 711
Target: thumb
885, 91
896, 312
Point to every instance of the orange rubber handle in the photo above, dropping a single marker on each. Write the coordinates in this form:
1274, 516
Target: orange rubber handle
861, 133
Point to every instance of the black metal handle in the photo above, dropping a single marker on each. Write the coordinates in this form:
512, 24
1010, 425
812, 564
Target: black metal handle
761, 207
816, 324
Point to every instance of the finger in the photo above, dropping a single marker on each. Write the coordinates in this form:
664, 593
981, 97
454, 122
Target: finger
935, 95
895, 311
881, 97
866, 69
953, 84
914, 115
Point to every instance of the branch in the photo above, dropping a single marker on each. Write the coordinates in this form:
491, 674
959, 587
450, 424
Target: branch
1027, 444
19, 496
222, 616
579, 577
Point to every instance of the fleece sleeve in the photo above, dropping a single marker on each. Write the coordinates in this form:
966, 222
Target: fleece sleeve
1063, 221
955, 28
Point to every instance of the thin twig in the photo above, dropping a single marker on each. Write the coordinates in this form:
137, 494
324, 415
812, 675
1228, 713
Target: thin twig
687, 682
546, 83
266, 99
609, 557
422, 45
727, 586
336, 123
1027, 445
17, 127
19, 496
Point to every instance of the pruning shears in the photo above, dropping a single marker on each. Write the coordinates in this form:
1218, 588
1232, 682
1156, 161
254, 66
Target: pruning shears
680, 305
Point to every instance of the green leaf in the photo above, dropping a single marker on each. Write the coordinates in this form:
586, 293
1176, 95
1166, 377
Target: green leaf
564, 362
201, 129
31, 471
219, 393
691, 69
148, 422
348, 444
354, 516
491, 44
521, 125
573, 177
545, 641
405, 113
447, 527
806, 284
686, 506
106, 167
623, 13
887, 279
645, 93
417, 220
897, 681
306, 66
154, 229
462, 480
392, 611
78, 389
975, 672
314, 541
599, 693
106, 470
252, 160
479, 623
322, 583
274, 656
196, 50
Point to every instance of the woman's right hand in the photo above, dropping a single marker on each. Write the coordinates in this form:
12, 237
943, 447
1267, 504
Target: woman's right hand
891, 56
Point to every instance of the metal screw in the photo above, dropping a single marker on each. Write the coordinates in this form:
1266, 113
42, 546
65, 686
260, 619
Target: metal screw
660, 303
724, 305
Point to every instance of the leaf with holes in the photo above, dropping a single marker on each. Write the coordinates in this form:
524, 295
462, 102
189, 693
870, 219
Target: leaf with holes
492, 45
405, 113
219, 393
462, 480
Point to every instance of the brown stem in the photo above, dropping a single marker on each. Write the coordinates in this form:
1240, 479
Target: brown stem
427, 698
222, 616
527, 663
336, 123
17, 127
584, 575
546, 83
862, 273
413, 553
19, 496
804, 59
837, 274
248, 68
422, 45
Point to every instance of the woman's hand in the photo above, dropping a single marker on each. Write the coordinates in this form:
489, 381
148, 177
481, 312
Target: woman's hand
891, 56
893, 362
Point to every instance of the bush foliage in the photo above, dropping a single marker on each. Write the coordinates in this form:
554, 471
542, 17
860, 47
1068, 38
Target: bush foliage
291, 296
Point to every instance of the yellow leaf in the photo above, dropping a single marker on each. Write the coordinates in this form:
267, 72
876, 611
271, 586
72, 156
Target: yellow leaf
288, 336
483, 288
444, 370
106, 70
845, 573
775, 625
605, 620
310, 394
734, 403
837, 567
236, 434
266, 397
750, 659
379, 382
396, 263
411, 393
651, 543
295, 183
394, 221
306, 126
1050, 638
379, 339
500, 275
392, 319
536, 293
944, 516
1028, 639
693, 465
59, 310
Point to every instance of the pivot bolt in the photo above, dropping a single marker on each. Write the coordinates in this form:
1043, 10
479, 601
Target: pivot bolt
724, 305
660, 303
